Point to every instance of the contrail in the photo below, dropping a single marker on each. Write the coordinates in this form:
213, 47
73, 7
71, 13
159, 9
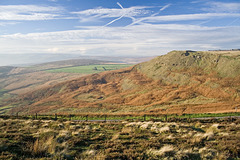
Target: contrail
113, 21
204, 22
120, 5
134, 19
142, 19
164, 7
116, 18
233, 21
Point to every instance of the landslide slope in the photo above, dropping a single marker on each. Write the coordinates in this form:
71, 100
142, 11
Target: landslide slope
178, 82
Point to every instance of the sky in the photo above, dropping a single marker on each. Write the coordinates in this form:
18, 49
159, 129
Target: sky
117, 27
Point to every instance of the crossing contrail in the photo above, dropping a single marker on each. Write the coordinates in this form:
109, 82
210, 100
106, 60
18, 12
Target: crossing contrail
135, 21
116, 18
153, 15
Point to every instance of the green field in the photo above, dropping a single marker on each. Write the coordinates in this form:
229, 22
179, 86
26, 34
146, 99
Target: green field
90, 69
4, 95
99, 117
2, 91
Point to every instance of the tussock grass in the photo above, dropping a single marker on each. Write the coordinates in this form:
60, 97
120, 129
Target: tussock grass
47, 139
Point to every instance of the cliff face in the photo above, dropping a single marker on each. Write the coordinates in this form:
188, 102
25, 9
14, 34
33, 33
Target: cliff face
178, 82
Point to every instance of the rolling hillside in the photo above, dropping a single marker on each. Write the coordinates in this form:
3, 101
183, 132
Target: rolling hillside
20, 80
179, 82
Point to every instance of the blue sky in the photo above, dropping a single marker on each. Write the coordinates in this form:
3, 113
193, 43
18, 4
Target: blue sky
117, 27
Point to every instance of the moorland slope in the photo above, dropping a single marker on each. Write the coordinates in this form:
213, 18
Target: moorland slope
18, 80
178, 82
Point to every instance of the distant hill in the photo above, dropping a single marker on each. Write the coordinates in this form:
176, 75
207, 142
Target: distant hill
178, 82
67, 63
20, 80
22, 60
121, 59
5, 70
31, 59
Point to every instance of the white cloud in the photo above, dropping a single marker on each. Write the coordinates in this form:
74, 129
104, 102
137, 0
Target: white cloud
99, 13
29, 12
222, 7
107, 13
53, 50
185, 17
142, 15
137, 13
144, 39
7, 23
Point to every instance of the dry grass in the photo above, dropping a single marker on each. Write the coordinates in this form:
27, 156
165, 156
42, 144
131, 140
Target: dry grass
39, 139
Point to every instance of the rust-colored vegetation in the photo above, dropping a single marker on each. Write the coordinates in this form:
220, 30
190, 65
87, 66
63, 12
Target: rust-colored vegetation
177, 83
